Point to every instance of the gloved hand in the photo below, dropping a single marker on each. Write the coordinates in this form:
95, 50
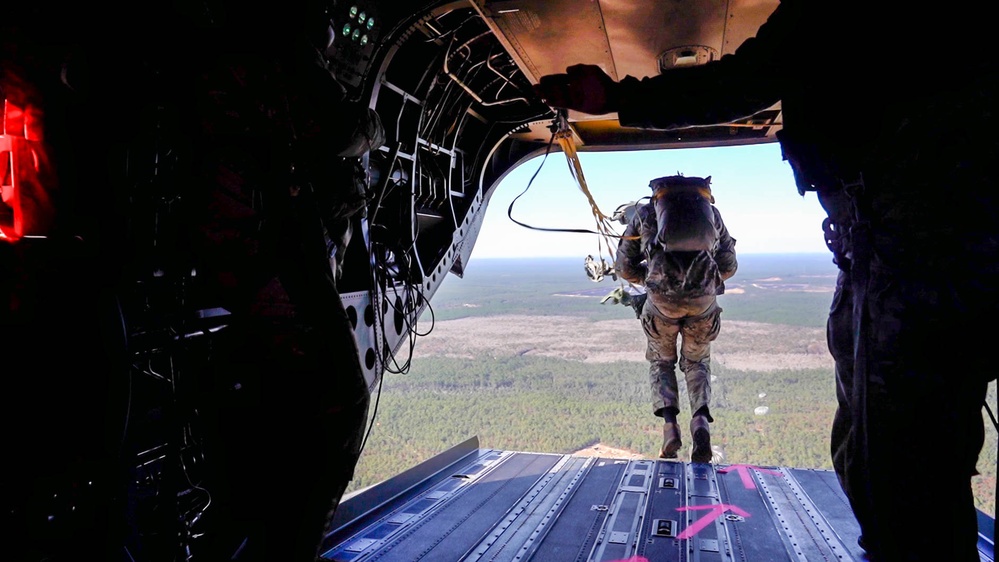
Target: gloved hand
584, 87
617, 296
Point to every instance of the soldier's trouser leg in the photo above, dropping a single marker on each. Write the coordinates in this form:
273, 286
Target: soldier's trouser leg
695, 357
923, 404
293, 419
330, 428
934, 321
661, 353
906, 412
909, 428
847, 461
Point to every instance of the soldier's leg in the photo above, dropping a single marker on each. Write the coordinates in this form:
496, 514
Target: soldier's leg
695, 358
661, 338
919, 409
293, 406
332, 433
932, 306
661, 353
695, 362
849, 465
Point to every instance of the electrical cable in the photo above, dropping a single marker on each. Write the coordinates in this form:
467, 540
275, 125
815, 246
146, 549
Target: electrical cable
410, 318
374, 414
561, 132
509, 210
376, 269
382, 277
399, 370
412, 331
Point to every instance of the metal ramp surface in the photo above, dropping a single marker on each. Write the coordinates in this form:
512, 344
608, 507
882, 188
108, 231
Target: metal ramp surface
472, 504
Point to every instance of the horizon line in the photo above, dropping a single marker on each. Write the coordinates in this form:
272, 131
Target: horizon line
814, 253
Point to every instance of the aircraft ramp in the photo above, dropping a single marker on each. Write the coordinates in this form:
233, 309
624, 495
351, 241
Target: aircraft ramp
473, 504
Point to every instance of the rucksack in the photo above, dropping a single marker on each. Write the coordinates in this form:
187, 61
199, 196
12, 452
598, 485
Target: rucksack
684, 215
680, 256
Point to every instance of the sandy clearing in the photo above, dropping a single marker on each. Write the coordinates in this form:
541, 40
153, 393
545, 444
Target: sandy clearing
603, 451
741, 345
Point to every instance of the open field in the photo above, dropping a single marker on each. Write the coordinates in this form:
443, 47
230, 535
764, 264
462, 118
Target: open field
742, 345
533, 362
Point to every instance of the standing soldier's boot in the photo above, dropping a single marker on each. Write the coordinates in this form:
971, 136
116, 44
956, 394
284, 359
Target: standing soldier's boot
671, 440
702, 439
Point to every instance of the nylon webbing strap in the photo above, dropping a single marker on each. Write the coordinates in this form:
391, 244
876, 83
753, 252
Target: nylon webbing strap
604, 223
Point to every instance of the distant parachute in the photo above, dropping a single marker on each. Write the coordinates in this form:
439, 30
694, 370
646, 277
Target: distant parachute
760, 410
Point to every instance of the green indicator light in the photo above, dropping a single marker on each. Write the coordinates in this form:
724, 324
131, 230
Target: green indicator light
346, 29
371, 23
361, 17
356, 34
364, 39
353, 11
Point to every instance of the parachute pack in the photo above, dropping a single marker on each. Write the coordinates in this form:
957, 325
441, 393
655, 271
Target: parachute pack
684, 214
681, 255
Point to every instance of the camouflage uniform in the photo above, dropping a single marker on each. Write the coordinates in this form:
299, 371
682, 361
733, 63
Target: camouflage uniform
912, 209
912, 270
680, 304
662, 333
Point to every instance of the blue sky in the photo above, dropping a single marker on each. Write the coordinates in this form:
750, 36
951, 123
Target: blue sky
752, 185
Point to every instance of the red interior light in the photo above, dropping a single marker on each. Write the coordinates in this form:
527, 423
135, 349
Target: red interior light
26, 176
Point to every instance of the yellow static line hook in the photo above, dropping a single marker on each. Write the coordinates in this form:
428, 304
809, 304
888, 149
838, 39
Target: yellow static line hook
562, 121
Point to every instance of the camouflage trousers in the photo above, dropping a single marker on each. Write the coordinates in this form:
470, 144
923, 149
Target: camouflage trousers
695, 334
911, 322
907, 407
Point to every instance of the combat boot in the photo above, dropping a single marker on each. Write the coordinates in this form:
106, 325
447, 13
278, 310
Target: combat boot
701, 435
671, 440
